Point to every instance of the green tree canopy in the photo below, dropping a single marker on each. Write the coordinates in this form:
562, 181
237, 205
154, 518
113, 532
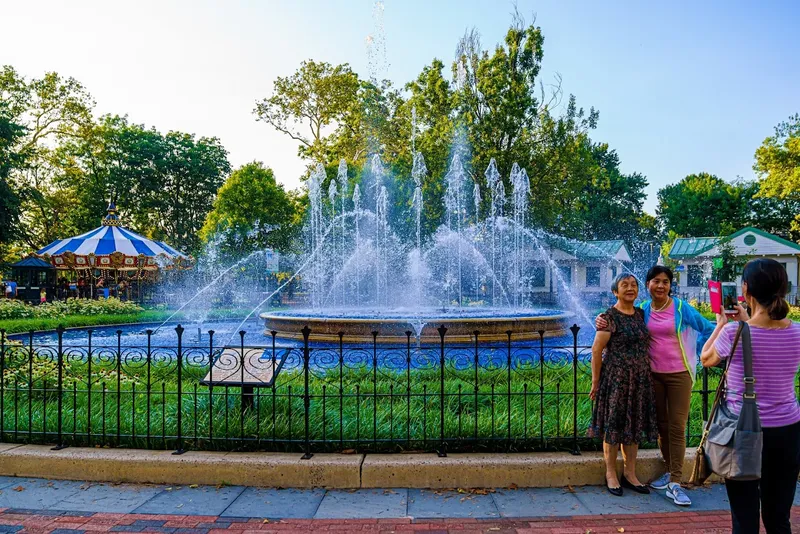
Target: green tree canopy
778, 165
52, 109
252, 211
703, 205
311, 103
10, 132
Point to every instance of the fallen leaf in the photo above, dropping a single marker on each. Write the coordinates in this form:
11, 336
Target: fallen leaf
19, 488
349, 451
570, 489
266, 521
494, 528
194, 486
168, 489
513, 486
620, 529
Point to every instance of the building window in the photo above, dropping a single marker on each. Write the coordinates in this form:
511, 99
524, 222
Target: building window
593, 277
749, 240
566, 274
538, 276
613, 272
694, 275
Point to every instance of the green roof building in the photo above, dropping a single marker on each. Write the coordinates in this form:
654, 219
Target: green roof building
695, 256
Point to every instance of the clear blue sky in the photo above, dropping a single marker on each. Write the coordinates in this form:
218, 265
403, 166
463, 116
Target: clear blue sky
681, 86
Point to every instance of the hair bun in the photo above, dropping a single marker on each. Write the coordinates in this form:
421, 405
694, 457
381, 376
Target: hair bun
778, 309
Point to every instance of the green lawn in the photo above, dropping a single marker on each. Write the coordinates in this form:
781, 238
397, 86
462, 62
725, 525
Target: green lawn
402, 412
13, 326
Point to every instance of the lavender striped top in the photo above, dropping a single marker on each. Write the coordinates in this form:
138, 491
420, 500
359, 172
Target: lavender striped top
776, 358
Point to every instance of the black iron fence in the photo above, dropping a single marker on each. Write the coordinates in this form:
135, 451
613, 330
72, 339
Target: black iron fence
312, 397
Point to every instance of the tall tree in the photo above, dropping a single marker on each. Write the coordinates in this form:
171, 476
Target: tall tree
52, 109
10, 132
190, 173
252, 211
703, 205
778, 165
311, 103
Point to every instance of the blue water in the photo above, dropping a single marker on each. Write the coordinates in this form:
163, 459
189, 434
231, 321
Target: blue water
197, 335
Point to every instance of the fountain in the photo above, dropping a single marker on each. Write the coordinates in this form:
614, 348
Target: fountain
473, 274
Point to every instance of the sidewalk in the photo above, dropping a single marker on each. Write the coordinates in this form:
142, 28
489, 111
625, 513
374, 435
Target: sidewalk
37, 505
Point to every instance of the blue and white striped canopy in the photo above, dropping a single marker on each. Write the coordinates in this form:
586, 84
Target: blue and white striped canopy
106, 240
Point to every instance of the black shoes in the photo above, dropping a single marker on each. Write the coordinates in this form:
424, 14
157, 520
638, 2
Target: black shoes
616, 492
644, 490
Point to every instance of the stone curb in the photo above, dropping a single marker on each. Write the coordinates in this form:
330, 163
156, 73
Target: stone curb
334, 471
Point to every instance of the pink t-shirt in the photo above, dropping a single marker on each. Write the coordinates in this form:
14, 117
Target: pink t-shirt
665, 350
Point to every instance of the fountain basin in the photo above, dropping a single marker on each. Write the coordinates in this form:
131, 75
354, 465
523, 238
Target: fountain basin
393, 326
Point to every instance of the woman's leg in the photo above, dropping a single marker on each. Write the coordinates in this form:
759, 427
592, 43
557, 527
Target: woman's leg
679, 396
662, 417
744, 501
629, 453
779, 470
610, 456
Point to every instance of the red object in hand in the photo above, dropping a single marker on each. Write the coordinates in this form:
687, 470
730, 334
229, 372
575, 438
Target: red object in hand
715, 296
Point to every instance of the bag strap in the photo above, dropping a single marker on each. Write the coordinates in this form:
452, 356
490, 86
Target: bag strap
723, 381
747, 353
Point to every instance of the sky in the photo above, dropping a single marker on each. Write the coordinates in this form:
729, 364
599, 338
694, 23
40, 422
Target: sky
682, 87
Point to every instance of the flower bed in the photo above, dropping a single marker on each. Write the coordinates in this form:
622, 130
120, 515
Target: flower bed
16, 309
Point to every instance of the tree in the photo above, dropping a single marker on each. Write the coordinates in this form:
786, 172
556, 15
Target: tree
252, 211
703, 205
778, 166
10, 132
611, 205
52, 109
113, 160
498, 105
309, 104
189, 174
727, 265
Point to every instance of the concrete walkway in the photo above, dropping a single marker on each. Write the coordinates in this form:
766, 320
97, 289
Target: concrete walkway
39, 505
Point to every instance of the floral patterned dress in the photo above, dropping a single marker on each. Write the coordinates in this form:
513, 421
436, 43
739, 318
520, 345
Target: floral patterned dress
625, 409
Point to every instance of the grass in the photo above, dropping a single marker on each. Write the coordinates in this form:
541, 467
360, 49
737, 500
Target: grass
14, 326
398, 412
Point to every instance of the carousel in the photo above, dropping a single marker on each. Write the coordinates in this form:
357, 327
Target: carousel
111, 261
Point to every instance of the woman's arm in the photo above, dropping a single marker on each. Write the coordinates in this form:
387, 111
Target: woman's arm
600, 341
709, 356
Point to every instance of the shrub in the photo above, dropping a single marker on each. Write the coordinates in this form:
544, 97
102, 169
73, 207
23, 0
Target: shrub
15, 309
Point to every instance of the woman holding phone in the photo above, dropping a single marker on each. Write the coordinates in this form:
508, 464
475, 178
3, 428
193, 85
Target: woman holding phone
677, 332
776, 358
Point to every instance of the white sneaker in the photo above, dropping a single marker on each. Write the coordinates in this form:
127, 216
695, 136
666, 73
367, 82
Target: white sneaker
678, 496
661, 482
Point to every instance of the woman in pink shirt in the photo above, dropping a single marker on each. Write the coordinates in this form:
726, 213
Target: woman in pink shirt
776, 358
677, 331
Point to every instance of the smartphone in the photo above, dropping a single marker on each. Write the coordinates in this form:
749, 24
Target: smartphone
730, 297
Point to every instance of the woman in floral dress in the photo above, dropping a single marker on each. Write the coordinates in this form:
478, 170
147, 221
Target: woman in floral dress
624, 410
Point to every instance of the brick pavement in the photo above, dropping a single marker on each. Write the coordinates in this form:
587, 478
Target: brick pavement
57, 522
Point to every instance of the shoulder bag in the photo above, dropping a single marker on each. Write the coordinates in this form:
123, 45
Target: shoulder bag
731, 444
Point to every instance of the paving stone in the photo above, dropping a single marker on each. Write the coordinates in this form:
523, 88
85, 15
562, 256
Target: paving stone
441, 503
123, 498
363, 504
797, 495
711, 497
205, 500
599, 501
10, 528
538, 502
270, 502
66, 531
7, 482
37, 494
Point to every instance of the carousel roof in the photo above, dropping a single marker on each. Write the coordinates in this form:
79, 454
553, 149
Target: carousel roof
109, 238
